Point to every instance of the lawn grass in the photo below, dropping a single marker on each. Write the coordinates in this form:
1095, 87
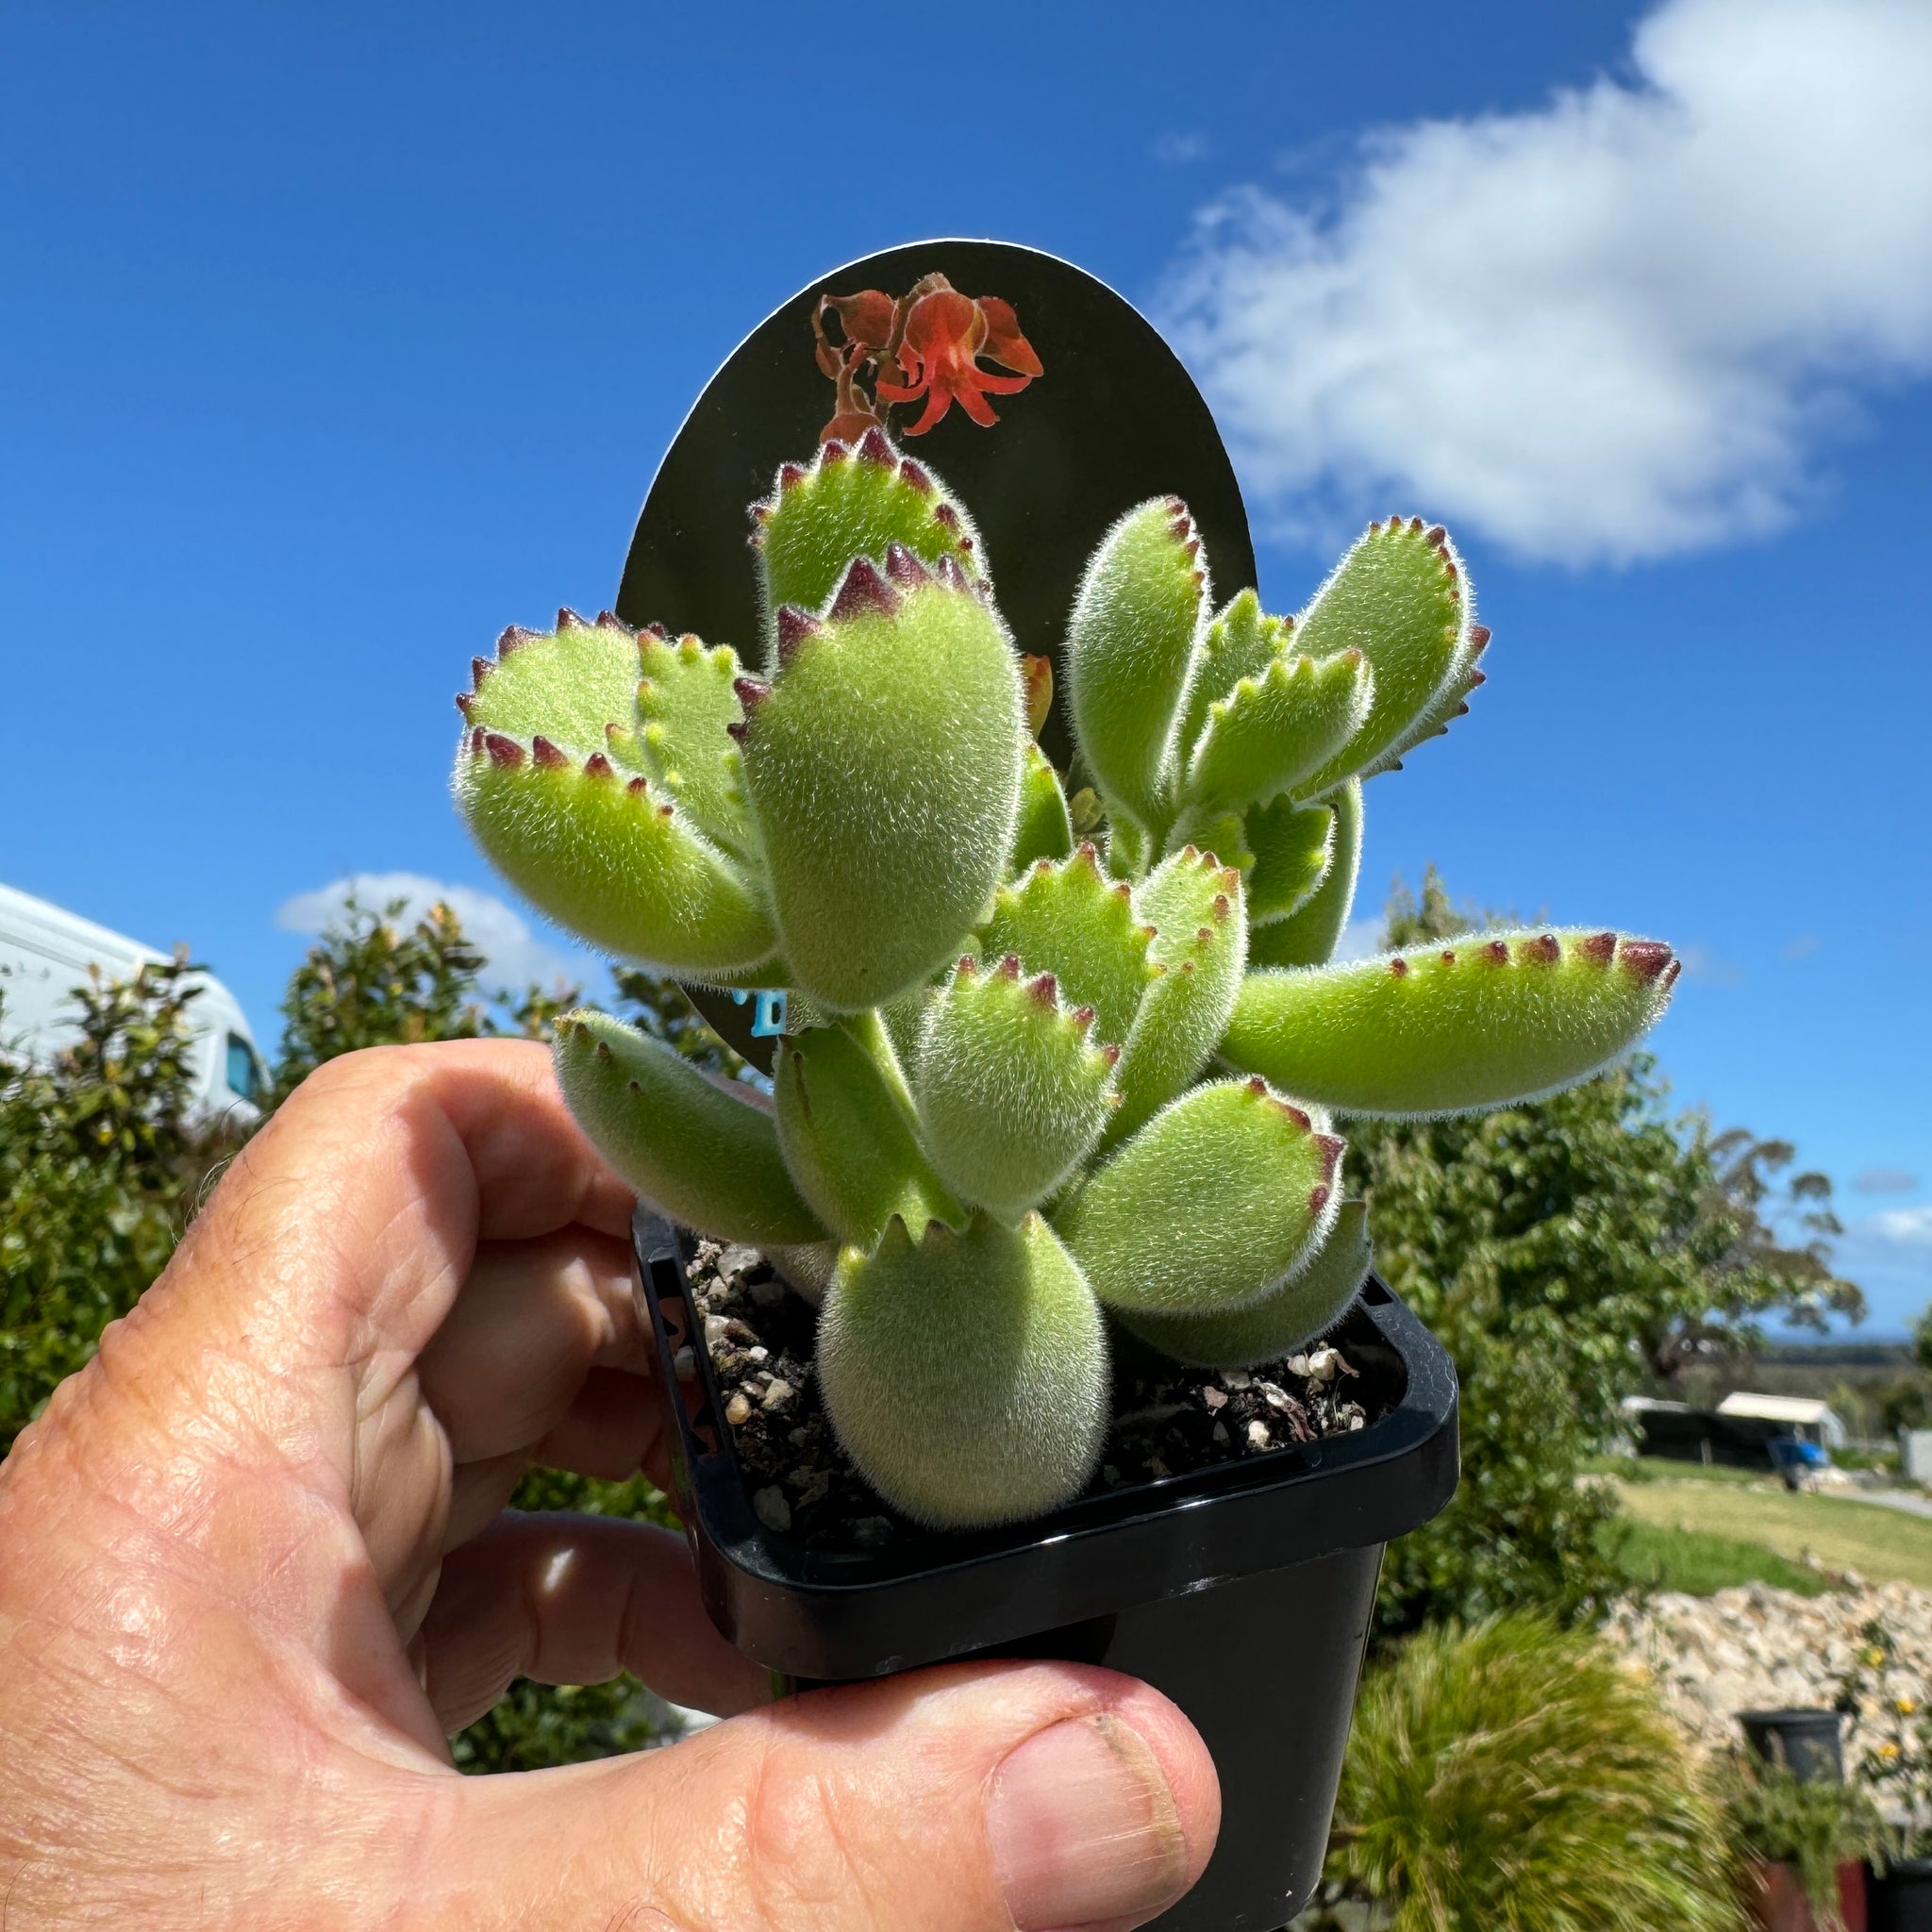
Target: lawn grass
1658, 1469
1877, 1542
1699, 1563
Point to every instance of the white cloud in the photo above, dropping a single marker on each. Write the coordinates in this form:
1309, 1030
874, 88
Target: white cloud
516, 955
1618, 326
1177, 149
1361, 938
1908, 1226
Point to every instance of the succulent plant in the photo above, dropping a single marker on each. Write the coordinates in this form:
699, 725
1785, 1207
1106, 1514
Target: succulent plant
1033, 1087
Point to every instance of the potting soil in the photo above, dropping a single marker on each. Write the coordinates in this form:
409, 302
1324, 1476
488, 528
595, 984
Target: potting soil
1168, 1419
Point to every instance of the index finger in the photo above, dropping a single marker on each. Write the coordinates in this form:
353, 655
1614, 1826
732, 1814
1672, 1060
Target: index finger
347, 1225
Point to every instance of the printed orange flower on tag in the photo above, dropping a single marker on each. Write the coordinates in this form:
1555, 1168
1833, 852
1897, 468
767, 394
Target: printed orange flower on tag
930, 345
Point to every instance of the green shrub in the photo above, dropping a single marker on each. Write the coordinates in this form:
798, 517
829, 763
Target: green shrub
1567, 1253
1815, 1827
100, 1165
1512, 1778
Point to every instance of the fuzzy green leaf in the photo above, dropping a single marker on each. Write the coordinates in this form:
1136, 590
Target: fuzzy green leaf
848, 1140
1012, 1093
1240, 642
852, 501
966, 1374
903, 1018
1269, 733
1129, 647
808, 1267
1222, 833
687, 702
1293, 846
1222, 1195
1072, 921
883, 764
1398, 598
701, 1152
566, 684
1044, 830
1129, 850
1450, 702
1199, 949
1477, 1023
1307, 935
1286, 1318
609, 858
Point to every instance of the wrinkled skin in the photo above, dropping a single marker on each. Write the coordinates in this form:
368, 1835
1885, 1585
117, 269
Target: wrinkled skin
253, 1569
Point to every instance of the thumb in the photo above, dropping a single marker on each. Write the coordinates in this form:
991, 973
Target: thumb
973, 1798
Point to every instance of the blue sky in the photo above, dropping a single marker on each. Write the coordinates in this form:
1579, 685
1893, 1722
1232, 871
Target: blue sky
334, 338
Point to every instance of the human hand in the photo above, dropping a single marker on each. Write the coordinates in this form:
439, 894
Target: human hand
254, 1568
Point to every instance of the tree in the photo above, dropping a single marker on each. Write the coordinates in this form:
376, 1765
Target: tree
1566, 1252
370, 981
100, 1164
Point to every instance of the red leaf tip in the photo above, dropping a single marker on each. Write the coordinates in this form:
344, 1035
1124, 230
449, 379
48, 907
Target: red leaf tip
794, 626
863, 593
1647, 958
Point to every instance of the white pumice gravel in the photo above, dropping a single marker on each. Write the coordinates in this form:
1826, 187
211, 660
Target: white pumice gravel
1759, 1648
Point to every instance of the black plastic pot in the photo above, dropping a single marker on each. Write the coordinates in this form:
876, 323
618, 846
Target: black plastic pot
1242, 1592
1900, 1898
1807, 1742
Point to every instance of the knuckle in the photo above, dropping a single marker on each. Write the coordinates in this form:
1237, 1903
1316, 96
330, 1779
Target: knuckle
805, 1858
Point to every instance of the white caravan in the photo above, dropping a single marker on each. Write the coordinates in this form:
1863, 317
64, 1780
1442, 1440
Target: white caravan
45, 953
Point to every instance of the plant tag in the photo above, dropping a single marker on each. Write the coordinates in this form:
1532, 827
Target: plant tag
1049, 405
